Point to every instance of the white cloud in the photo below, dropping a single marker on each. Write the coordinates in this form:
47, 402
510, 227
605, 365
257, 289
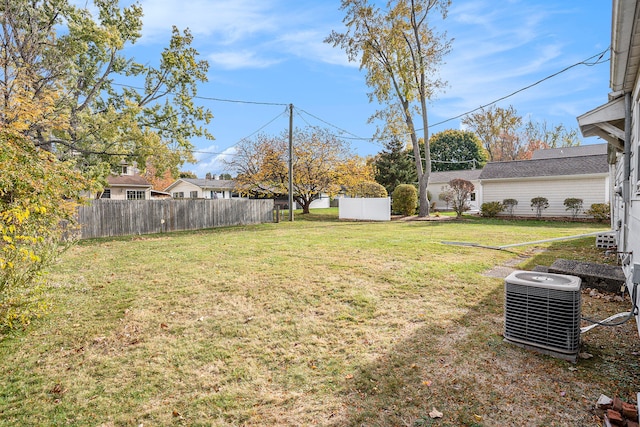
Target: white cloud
501, 49
211, 161
245, 33
225, 20
309, 44
240, 59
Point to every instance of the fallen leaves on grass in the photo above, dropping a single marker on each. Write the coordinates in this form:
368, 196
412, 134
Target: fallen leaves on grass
435, 413
57, 389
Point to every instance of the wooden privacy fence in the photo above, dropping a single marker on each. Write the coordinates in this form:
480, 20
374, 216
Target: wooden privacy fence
107, 218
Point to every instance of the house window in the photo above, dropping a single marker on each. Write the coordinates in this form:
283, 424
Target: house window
473, 197
106, 194
178, 195
125, 170
135, 195
193, 194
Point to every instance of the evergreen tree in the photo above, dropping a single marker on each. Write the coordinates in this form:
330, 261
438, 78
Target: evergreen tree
393, 166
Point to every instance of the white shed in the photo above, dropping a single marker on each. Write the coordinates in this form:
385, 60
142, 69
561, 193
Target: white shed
555, 178
439, 181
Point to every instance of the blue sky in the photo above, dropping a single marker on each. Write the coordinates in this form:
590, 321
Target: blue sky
272, 51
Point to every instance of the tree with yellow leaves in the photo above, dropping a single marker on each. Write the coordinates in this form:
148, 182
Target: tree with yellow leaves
38, 199
64, 58
400, 51
322, 165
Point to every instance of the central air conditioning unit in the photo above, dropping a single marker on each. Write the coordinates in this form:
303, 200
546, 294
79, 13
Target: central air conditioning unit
542, 313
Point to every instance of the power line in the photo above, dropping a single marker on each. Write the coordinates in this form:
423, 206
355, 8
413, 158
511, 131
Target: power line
246, 137
279, 104
583, 62
208, 98
353, 136
327, 123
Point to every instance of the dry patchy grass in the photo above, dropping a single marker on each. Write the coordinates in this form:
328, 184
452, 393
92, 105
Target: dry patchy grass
318, 322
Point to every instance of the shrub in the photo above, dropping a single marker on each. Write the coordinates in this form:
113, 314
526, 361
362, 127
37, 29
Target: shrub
574, 205
37, 195
369, 189
446, 196
461, 190
539, 204
405, 199
491, 209
509, 205
600, 211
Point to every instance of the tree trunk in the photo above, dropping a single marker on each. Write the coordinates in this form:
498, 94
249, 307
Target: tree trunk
423, 199
305, 203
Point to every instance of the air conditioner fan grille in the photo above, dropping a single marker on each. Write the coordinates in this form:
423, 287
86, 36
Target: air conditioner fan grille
539, 316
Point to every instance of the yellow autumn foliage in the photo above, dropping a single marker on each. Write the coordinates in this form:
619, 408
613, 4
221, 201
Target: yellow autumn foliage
38, 194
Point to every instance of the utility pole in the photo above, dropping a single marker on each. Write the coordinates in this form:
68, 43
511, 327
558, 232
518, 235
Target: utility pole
291, 162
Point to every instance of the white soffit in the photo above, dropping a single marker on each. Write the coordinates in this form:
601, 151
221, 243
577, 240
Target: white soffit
625, 45
606, 121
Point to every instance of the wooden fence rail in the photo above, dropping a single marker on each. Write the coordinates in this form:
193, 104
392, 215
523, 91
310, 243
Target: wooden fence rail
108, 218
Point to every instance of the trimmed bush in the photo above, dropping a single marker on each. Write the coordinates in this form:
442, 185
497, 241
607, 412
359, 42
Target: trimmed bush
405, 199
539, 204
369, 189
491, 209
574, 205
461, 190
600, 211
509, 205
446, 196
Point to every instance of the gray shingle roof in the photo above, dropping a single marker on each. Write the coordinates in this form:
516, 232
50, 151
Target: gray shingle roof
127, 181
580, 150
582, 165
213, 184
469, 175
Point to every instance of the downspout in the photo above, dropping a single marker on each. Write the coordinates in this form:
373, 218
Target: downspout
627, 148
626, 187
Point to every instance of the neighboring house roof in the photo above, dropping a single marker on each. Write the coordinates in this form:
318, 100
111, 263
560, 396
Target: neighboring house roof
160, 194
127, 181
207, 184
582, 165
445, 177
580, 150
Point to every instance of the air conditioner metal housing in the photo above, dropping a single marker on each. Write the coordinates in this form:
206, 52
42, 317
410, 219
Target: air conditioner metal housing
542, 312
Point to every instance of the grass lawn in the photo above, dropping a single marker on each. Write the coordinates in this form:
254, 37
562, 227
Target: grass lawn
315, 322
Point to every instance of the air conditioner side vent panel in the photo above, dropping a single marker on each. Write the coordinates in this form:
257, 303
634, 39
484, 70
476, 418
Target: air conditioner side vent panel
543, 314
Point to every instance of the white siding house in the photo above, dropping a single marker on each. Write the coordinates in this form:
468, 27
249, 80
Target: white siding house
126, 187
618, 123
555, 178
439, 182
189, 188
